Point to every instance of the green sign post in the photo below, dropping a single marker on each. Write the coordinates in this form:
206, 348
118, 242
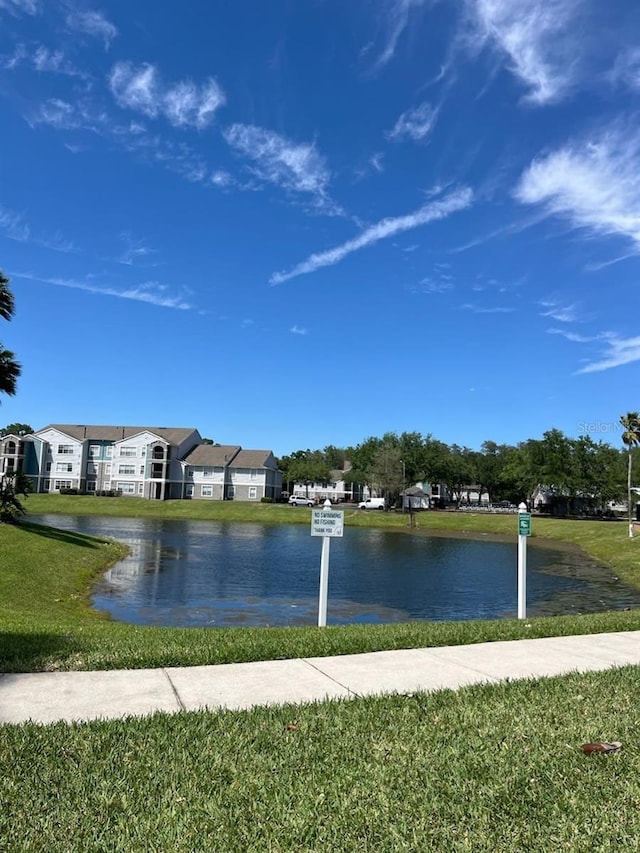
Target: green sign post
524, 524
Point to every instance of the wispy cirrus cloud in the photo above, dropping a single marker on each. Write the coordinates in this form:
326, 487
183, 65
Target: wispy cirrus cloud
414, 124
150, 292
92, 23
626, 69
396, 14
432, 211
618, 351
563, 313
136, 251
574, 337
483, 309
184, 104
540, 38
592, 184
298, 330
293, 166
432, 285
29, 7
13, 226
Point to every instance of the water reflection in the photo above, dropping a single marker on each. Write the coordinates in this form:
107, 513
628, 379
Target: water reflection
187, 573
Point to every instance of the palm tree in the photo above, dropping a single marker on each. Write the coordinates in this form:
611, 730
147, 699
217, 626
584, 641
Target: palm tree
6, 298
630, 438
9, 372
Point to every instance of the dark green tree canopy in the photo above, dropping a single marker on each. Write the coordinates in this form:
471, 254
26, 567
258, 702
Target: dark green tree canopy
9, 368
16, 429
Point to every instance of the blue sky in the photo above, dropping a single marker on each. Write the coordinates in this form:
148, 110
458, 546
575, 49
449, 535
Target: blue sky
303, 222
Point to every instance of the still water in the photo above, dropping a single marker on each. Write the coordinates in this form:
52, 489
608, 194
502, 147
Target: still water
202, 573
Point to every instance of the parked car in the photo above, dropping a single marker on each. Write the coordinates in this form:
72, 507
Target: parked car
372, 503
300, 500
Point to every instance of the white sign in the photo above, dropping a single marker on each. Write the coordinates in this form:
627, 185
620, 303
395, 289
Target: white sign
327, 522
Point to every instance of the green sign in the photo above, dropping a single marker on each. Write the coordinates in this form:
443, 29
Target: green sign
524, 524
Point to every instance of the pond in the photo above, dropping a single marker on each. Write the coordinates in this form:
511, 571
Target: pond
201, 573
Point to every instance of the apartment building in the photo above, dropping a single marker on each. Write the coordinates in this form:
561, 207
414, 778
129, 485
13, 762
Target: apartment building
155, 463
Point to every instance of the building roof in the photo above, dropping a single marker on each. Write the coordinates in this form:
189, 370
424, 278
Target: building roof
252, 459
214, 455
82, 432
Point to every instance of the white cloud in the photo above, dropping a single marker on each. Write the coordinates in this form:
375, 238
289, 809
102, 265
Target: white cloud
414, 124
540, 37
293, 166
626, 69
430, 285
397, 20
187, 104
434, 210
593, 185
13, 226
94, 24
151, 292
619, 351
376, 161
561, 313
477, 309
221, 178
574, 337
30, 7
183, 104
297, 330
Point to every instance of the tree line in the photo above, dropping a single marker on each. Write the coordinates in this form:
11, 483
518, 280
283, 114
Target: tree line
573, 470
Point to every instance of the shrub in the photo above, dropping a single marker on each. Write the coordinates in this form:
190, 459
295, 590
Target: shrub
69, 492
108, 493
266, 500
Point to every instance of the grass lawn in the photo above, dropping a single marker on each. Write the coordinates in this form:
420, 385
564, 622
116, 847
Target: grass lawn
46, 622
487, 768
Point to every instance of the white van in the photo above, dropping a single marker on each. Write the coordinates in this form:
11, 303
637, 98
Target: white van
372, 503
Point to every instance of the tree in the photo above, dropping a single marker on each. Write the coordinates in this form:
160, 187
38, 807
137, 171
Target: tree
16, 429
9, 368
12, 485
630, 438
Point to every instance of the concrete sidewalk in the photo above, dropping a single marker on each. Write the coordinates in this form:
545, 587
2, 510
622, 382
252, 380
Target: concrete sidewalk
47, 697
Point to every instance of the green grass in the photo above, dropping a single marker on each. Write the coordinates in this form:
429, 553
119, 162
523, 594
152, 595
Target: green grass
487, 768
46, 622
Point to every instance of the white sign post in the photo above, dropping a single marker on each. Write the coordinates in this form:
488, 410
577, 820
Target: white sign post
325, 522
524, 530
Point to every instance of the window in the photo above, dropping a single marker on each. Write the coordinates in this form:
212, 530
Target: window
64, 467
106, 485
126, 469
128, 450
107, 469
140, 488
109, 452
253, 493
127, 488
47, 485
207, 472
189, 491
253, 474
10, 447
91, 485
61, 484
206, 491
48, 467
65, 448
190, 472
92, 468
142, 470
94, 451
